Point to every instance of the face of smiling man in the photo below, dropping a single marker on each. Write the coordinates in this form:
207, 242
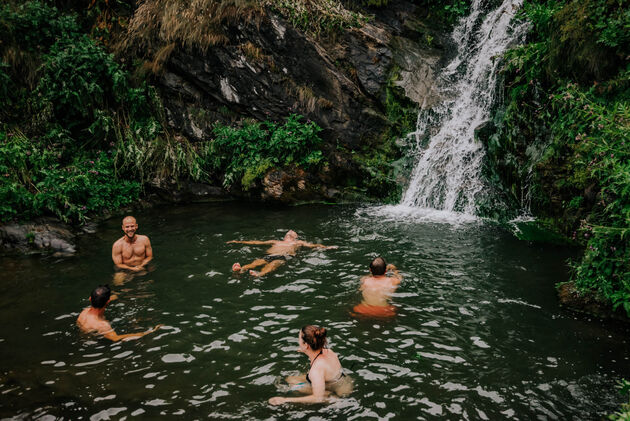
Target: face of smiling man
129, 227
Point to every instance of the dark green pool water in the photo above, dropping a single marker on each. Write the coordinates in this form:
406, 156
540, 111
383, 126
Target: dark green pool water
479, 334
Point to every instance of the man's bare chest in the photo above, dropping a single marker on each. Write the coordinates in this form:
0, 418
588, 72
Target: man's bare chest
135, 249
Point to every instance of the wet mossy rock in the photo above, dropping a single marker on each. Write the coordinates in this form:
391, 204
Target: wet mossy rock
264, 68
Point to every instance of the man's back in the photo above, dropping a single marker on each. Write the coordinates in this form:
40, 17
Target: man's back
88, 322
378, 289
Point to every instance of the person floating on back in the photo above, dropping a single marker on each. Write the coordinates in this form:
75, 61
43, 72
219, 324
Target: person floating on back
377, 288
132, 252
279, 252
92, 319
325, 375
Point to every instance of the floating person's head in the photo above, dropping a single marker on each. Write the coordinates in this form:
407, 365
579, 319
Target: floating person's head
100, 296
290, 236
378, 266
313, 337
129, 226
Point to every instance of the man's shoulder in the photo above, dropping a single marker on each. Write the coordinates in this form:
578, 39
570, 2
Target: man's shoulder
119, 241
82, 315
94, 324
143, 238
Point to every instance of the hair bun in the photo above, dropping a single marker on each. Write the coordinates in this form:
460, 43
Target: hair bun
320, 331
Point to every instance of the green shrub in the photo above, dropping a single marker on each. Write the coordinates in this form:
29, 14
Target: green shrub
563, 135
447, 12
35, 25
158, 158
33, 183
245, 153
80, 80
624, 413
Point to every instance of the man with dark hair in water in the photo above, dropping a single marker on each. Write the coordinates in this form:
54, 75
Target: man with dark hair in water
378, 266
92, 319
377, 288
279, 252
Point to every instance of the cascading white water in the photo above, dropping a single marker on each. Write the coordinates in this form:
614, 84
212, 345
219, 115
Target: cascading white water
446, 176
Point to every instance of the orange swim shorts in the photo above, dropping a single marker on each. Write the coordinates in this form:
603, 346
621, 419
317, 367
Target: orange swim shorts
375, 311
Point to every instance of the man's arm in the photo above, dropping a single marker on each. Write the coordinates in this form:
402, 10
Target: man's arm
395, 273
148, 253
253, 242
113, 336
316, 246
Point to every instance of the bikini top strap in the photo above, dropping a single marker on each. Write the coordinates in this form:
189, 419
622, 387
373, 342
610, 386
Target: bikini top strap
320, 353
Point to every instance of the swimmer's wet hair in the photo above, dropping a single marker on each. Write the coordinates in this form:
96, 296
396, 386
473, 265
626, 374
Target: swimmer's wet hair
315, 336
378, 266
100, 296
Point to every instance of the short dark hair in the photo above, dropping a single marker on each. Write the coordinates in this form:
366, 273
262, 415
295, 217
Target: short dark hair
100, 296
378, 266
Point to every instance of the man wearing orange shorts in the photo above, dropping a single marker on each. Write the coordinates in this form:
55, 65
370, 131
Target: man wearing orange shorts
377, 288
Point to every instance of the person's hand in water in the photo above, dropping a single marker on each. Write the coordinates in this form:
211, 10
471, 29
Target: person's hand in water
391, 267
278, 400
157, 327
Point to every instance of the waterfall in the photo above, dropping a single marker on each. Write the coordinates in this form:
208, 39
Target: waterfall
446, 176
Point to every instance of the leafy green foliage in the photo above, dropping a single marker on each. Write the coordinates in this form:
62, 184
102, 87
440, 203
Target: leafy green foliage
563, 137
157, 158
624, 413
33, 182
378, 180
244, 154
447, 12
35, 25
85, 87
82, 102
79, 79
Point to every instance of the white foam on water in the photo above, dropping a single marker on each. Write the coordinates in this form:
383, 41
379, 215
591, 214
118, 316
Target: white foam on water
397, 213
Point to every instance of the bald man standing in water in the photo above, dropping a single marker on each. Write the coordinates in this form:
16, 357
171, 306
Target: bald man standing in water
132, 251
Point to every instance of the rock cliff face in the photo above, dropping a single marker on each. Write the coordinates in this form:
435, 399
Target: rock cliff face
268, 69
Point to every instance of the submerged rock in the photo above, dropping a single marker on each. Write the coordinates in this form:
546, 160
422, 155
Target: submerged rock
42, 236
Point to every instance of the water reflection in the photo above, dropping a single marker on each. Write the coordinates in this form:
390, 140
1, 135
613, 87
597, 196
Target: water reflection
478, 332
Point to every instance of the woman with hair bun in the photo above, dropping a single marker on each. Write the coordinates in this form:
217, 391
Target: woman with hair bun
325, 374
